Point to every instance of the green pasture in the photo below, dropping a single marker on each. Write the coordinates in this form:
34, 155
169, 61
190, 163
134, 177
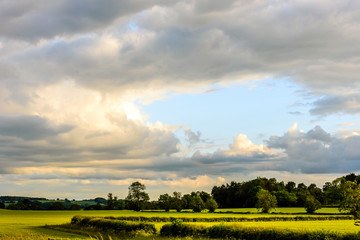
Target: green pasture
30, 223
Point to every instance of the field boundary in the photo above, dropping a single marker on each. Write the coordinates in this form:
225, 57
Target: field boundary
230, 219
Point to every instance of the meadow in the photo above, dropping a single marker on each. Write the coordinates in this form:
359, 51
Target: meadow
17, 224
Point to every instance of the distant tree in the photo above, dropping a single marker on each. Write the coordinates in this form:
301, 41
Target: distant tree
120, 205
197, 204
302, 193
110, 203
316, 192
285, 198
37, 206
94, 207
177, 202
165, 202
334, 191
204, 195
137, 196
266, 201
57, 206
290, 186
211, 204
75, 206
2, 205
27, 204
311, 204
187, 200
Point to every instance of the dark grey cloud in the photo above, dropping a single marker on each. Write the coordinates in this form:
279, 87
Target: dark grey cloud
29, 127
34, 20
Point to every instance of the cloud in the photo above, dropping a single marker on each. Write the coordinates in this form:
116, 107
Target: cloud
35, 20
30, 127
348, 104
181, 45
77, 126
316, 151
192, 138
73, 72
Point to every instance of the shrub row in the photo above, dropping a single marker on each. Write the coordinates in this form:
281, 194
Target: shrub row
112, 225
176, 229
231, 219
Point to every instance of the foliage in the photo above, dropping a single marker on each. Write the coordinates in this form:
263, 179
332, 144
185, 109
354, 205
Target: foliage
165, 202
94, 207
285, 198
75, 206
235, 195
351, 201
211, 204
114, 225
266, 201
110, 203
177, 228
57, 206
312, 204
222, 231
197, 204
177, 201
137, 196
259, 218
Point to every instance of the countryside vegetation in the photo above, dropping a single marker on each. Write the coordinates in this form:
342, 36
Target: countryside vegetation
257, 209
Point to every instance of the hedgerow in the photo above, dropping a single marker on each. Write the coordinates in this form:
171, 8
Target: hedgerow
176, 229
112, 225
231, 219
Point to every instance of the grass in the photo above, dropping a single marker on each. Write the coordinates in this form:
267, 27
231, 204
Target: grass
30, 223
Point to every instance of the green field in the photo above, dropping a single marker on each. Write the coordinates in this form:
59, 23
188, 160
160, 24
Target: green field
30, 223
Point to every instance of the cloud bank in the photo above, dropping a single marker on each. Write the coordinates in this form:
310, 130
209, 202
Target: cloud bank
72, 75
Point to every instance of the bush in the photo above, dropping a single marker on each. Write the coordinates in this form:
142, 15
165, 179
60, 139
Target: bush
197, 204
178, 229
112, 225
266, 201
229, 232
211, 204
311, 204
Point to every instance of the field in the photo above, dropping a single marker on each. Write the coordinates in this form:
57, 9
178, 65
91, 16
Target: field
29, 224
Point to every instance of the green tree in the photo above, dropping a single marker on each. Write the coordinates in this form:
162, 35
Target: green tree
177, 202
266, 201
57, 206
351, 200
311, 204
285, 198
197, 204
165, 201
137, 196
211, 204
110, 202
75, 206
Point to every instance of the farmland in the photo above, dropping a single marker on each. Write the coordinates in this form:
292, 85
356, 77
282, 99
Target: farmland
30, 223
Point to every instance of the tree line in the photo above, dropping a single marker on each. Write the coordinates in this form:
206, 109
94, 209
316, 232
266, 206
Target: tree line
263, 193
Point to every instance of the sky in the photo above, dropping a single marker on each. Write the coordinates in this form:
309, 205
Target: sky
179, 95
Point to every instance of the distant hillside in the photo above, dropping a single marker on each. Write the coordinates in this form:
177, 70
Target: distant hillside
18, 198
